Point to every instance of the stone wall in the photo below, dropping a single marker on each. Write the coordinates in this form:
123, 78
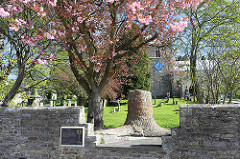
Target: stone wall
206, 131
34, 133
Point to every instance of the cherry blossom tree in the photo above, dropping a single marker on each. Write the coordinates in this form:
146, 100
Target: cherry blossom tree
94, 33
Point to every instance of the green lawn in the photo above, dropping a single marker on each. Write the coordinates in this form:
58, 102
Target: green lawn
166, 116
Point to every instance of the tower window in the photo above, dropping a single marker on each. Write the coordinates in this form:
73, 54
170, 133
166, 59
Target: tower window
157, 53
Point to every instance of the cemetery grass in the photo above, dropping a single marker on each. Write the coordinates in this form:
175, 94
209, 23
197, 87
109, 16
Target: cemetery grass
167, 116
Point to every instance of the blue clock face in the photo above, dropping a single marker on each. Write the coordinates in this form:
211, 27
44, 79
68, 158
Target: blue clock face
158, 66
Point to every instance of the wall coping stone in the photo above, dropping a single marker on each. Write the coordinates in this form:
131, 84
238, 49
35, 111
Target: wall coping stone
213, 106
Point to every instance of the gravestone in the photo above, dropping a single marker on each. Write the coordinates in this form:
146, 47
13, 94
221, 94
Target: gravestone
75, 103
51, 103
69, 103
64, 103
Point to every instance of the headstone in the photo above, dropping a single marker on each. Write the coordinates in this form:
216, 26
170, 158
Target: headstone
51, 103
72, 136
155, 100
64, 103
104, 102
75, 103
69, 103
160, 104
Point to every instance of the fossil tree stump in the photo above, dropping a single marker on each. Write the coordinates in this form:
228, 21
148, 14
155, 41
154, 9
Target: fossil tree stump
140, 114
140, 120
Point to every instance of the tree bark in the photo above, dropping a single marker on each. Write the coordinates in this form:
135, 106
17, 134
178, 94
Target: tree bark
14, 89
195, 85
95, 110
140, 115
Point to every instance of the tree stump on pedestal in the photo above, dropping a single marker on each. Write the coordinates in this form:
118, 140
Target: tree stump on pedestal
140, 120
140, 114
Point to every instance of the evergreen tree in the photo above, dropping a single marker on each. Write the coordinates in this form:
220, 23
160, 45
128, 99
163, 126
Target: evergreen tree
138, 71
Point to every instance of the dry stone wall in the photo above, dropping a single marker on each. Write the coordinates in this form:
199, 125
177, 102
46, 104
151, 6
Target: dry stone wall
206, 131
35, 132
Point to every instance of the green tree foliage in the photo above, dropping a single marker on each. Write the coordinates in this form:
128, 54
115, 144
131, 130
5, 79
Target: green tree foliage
139, 75
63, 80
203, 22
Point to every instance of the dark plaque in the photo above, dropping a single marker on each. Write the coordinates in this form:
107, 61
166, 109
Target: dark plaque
72, 136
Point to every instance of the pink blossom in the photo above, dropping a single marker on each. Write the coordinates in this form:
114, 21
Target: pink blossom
109, 21
194, 22
114, 54
14, 28
49, 36
80, 19
110, 1
51, 57
75, 29
25, 1
20, 22
60, 33
145, 21
135, 6
30, 42
179, 26
97, 69
4, 13
52, 3
83, 49
39, 61
20, 9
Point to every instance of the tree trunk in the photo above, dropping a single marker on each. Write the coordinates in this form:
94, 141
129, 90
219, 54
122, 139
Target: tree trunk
95, 110
140, 114
225, 95
140, 120
231, 96
14, 89
193, 71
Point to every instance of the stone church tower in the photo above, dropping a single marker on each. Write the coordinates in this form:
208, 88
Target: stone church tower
163, 79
